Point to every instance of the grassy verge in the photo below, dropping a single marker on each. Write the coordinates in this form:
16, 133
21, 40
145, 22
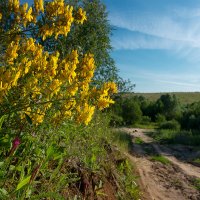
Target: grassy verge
197, 183
138, 140
151, 125
177, 137
161, 159
70, 162
197, 161
121, 139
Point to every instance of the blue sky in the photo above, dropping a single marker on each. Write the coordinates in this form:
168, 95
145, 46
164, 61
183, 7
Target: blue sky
156, 43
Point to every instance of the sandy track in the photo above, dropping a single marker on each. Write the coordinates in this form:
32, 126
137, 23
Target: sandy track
160, 181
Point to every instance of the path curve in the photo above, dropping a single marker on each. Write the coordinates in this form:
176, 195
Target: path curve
159, 181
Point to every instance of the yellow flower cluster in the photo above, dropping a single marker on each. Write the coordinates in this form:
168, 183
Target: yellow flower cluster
85, 113
41, 84
22, 13
59, 16
80, 16
104, 99
38, 6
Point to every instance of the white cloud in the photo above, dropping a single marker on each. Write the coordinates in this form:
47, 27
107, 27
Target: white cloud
180, 83
140, 41
166, 31
156, 25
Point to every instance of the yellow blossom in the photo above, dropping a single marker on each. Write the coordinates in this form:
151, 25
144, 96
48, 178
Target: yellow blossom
39, 5
11, 52
85, 113
111, 87
14, 4
17, 76
39, 79
104, 103
80, 16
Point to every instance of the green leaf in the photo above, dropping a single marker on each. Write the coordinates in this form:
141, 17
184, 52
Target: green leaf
22, 172
11, 168
3, 193
1, 164
50, 151
19, 168
57, 156
2, 120
28, 193
24, 182
29, 120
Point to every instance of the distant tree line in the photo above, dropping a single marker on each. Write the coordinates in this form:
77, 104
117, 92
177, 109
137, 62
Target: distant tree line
166, 112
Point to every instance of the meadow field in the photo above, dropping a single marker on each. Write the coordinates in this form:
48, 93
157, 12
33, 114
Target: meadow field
183, 97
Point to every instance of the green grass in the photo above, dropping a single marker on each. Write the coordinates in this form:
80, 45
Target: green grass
122, 139
138, 140
176, 137
151, 125
183, 97
162, 135
197, 160
161, 159
71, 155
126, 168
197, 183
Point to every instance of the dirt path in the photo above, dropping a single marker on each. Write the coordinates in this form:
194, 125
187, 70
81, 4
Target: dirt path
163, 181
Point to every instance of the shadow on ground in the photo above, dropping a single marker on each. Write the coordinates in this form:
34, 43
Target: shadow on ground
146, 147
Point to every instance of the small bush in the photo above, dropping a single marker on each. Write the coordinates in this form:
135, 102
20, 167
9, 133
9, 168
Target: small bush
116, 120
171, 125
177, 137
160, 118
145, 120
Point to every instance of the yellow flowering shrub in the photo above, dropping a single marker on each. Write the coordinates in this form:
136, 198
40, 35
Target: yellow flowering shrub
37, 84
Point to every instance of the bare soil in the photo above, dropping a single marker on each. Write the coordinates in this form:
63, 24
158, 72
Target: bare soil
158, 181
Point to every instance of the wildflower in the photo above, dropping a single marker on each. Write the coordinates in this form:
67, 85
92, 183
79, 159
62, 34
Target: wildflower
39, 5
80, 16
14, 4
16, 142
85, 113
104, 103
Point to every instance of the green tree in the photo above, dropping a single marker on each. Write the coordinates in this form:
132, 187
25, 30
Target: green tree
191, 117
169, 106
131, 111
93, 36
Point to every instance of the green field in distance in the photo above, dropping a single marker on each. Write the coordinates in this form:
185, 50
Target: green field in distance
183, 97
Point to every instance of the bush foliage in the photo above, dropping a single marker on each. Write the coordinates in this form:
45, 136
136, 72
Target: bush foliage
171, 125
182, 121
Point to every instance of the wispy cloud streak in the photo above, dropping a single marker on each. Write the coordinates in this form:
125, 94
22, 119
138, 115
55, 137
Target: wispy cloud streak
179, 31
